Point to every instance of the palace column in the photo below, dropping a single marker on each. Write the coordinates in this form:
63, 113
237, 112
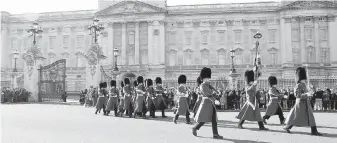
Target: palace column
285, 23
162, 43
110, 44
123, 43
302, 43
317, 47
150, 43
332, 29
136, 43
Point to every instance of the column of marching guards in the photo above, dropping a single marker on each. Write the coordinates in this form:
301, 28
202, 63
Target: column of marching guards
142, 97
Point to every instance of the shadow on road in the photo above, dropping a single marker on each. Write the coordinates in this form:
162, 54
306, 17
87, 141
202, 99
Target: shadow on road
301, 133
237, 140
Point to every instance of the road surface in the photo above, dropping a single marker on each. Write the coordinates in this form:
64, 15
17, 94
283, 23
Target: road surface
44, 123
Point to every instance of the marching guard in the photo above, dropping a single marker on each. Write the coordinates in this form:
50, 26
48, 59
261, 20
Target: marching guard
101, 101
151, 97
197, 104
273, 108
301, 114
160, 101
121, 101
250, 110
140, 98
207, 111
113, 98
127, 97
182, 94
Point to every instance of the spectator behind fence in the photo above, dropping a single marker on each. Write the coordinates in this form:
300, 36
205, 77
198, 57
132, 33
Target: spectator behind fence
318, 99
326, 99
334, 100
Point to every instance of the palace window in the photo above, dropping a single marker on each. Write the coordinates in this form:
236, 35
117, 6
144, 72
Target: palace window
273, 58
65, 41
204, 57
221, 57
188, 36
188, 57
66, 56
321, 19
173, 57
325, 56
131, 55
310, 52
131, 38
80, 41
144, 57
238, 59
78, 61
272, 35
296, 57
14, 43
237, 36
323, 34
294, 35
204, 38
221, 37
172, 38
52, 42
308, 33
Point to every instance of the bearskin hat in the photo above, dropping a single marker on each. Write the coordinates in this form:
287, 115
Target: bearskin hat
113, 83
272, 80
249, 74
182, 79
301, 74
140, 79
122, 84
158, 80
149, 82
101, 85
205, 73
126, 81
199, 81
135, 83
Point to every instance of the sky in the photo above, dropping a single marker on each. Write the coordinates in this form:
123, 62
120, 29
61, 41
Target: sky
39, 6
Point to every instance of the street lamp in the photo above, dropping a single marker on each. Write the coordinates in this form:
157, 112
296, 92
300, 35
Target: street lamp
257, 61
95, 29
115, 71
16, 56
34, 31
233, 55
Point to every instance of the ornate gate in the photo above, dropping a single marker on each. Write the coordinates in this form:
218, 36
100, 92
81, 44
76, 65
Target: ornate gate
52, 81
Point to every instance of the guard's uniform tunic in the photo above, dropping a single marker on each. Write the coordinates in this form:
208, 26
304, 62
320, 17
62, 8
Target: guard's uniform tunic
250, 110
151, 98
182, 101
113, 100
273, 104
127, 98
140, 99
301, 114
160, 101
197, 104
101, 101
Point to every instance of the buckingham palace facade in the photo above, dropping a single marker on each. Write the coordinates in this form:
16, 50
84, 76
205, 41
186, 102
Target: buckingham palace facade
159, 40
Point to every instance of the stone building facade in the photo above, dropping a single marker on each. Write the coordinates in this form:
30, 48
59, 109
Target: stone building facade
159, 40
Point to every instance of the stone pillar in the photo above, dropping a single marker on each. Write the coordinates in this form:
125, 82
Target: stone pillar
31, 77
317, 47
123, 49
162, 47
284, 47
14, 80
288, 41
302, 38
332, 29
110, 44
150, 42
137, 43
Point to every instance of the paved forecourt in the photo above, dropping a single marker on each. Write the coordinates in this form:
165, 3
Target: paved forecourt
43, 123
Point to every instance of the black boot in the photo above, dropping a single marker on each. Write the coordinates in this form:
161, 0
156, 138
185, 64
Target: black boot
261, 126
314, 131
96, 111
163, 113
265, 119
153, 114
287, 128
107, 113
240, 124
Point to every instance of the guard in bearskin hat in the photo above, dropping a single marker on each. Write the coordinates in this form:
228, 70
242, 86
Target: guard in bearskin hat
140, 98
182, 94
151, 97
101, 101
207, 111
273, 107
197, 104
160, 97
127, 90
121, 100
302, 114
113, 98
250, 110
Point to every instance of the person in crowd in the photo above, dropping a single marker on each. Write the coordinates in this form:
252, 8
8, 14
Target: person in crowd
250, 111
301, 114
318, 99
262, 99
140, 98
101, 101
326, 99
207, 111
94, 96
291, 99
112, 104
274, 108
182, 100
128, 93
160, 101
151, 98
334, 100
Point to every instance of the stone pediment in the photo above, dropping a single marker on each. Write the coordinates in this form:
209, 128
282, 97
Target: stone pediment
309, 5
130, 7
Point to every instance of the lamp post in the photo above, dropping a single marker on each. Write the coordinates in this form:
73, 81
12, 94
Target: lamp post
15, 56
233, 55
115, 71
34, 31
257, 61
95, 29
